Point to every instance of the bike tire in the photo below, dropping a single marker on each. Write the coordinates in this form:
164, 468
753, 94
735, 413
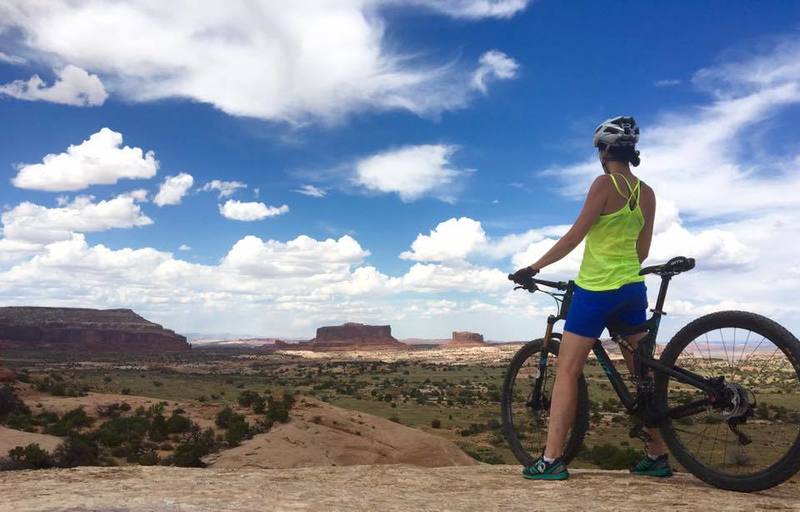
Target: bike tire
786, 466
579, 427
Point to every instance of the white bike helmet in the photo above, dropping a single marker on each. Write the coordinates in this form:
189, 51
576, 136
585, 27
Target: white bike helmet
617, 131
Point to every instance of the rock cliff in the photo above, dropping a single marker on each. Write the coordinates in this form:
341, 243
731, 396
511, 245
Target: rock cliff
353, 336
465, 339
84, 330
388, 488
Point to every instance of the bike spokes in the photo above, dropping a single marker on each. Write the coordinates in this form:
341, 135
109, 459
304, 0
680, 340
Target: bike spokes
755, 421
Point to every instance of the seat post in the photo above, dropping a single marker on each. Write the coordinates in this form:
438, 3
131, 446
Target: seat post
662, 294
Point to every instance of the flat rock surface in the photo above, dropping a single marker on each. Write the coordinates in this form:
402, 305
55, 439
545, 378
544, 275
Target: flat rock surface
10, 438
385, 488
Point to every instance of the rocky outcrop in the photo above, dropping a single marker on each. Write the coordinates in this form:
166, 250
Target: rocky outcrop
6, 375
465, 339
84, 330
353, 336
387, 488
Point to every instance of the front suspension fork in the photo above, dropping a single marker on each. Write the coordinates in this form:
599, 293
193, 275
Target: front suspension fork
541, 370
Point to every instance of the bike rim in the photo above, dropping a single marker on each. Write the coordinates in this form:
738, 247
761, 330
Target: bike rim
764, 372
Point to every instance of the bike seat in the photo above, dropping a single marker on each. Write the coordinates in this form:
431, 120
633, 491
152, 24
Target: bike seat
673, 267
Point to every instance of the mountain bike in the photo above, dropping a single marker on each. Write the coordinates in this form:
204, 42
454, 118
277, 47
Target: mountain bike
724, 393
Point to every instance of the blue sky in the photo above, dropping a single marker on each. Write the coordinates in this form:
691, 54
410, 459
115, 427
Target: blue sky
450, 142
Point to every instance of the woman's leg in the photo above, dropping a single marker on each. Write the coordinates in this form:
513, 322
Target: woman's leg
656, 446
569, 366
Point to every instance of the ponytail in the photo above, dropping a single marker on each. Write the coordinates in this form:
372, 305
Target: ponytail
623, 154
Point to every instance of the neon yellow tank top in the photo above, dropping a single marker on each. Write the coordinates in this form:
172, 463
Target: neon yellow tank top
610, 259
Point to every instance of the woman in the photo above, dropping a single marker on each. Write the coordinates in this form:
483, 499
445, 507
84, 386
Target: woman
617, 221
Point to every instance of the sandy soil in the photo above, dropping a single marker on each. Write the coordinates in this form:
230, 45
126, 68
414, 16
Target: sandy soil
387, 488
320, 434
10, 439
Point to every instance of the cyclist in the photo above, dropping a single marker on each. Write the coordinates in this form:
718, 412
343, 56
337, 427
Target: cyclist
617, 222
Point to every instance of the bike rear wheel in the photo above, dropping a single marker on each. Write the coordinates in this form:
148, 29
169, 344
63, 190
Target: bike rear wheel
525, 427
760, 362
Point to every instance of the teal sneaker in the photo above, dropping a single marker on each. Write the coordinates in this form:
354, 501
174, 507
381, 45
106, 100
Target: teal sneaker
542, 470
649, 467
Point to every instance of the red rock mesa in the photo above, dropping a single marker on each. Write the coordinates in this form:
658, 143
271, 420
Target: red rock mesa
465, 339
352, 336
84, 330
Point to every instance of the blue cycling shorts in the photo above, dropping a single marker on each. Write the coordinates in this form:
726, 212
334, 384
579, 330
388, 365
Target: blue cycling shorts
590, 312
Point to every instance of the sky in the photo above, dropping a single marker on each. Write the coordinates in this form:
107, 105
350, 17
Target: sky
265, 168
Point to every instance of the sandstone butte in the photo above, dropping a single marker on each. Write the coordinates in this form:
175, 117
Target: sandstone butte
83, 330
463, 339
352, 336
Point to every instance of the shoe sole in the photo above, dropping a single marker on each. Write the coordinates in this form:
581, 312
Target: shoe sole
658, 473
558, 476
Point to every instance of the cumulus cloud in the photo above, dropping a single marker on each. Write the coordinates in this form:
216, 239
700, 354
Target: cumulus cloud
667, 82
311, 190
184, 247
453, 239
73, 86
249, 211
225, 188
303, 256
493, 65
99, 160
332, 56
35, 224
411, 172
173, 189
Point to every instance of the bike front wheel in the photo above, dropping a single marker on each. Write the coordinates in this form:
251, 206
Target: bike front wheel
525, 423
749, 441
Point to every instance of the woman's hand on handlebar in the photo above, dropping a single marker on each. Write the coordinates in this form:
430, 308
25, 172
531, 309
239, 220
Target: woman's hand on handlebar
523, 275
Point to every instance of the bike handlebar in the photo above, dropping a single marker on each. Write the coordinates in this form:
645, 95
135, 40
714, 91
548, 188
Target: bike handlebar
532, 282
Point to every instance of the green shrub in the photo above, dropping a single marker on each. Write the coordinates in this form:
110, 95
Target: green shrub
190, 452
247, 398
149, 458
177, 424
30, 457
130, 430
224, 417
238, 430
10, 403
436, 423
77, 451
609, 456
158, 429
70, 422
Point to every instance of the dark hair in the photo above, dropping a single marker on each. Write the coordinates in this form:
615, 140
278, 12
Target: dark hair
622, 153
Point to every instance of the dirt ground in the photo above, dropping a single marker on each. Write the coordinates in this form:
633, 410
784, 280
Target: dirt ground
387, 488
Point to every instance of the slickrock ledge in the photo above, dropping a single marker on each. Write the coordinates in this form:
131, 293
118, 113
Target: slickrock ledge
387, 488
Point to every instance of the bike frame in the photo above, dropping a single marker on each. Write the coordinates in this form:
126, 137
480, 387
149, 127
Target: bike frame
639, 404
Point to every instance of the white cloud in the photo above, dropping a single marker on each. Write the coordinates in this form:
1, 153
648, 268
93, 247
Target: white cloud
474, 8
311, 190
184, 248
225, 188
493, 65
244, 211
100, 160
73, 86
37, 224
332, 55
667, 82
11, 59
411, 172
301, 257
453, 239
173, 189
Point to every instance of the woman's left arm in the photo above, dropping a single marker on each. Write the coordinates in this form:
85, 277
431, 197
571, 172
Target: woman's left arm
592, 208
